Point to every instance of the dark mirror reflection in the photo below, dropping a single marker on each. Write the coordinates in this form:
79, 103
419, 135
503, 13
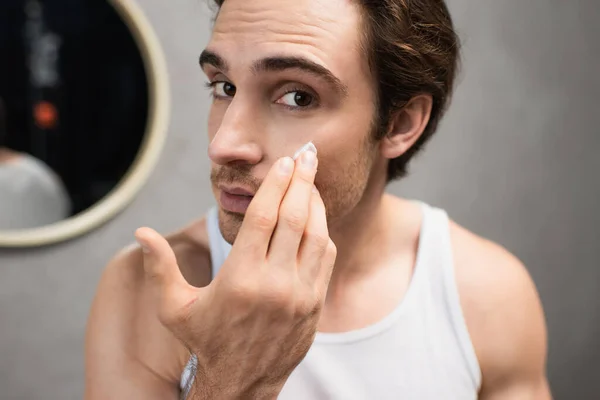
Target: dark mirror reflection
74, 107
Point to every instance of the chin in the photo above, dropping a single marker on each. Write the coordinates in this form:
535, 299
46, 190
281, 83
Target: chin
230, 224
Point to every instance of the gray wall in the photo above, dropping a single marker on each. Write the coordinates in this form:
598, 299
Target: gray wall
513, 161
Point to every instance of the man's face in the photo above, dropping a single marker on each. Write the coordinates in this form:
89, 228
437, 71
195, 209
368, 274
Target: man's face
285, 72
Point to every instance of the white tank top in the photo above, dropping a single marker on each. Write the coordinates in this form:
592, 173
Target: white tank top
422, 350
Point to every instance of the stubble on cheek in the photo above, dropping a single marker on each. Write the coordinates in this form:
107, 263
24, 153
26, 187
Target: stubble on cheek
343, 178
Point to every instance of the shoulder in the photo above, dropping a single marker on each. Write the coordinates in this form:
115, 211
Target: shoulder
123, 328
502, 310
39, 176
35, 167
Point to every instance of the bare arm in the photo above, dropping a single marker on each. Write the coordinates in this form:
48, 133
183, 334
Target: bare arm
514, 363
505, 319
514, 367
129, 354
519, 390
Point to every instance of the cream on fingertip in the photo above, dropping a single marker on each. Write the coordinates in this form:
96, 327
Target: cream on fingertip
307, 147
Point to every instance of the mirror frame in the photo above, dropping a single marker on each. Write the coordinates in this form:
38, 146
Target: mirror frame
156, 128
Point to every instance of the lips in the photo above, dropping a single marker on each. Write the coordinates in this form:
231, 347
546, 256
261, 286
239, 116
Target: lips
237, 191
235, 199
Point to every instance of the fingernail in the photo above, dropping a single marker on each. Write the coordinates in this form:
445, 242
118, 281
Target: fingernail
308, 146
309, 159
286, 165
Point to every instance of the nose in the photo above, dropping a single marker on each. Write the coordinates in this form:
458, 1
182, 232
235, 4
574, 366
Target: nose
236, 140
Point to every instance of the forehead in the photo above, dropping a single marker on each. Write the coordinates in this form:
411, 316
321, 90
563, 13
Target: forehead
324, 31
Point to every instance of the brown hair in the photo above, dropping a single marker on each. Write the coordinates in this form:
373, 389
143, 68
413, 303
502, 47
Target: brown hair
412, 49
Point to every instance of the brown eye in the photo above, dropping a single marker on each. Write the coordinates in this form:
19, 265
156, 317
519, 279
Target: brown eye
303, 99
297, 99
223, 89
229, 89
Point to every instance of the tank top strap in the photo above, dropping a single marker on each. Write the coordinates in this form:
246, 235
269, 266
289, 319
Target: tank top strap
436, 248
434, 252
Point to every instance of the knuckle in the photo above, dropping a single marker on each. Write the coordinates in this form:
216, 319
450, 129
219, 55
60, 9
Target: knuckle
294, 219
262, 219
320, 240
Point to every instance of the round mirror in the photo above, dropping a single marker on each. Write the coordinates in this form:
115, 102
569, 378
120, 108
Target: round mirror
83, 115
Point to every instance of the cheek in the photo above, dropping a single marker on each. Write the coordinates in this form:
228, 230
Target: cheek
345, 159
342, 146
342, 179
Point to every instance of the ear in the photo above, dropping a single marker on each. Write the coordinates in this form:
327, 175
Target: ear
406, 126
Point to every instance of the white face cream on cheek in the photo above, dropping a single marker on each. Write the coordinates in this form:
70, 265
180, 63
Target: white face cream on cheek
307, 147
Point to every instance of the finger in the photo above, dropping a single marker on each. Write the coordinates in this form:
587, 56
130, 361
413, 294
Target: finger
162, 271
261, 215
326, 269
293, 212
314, 241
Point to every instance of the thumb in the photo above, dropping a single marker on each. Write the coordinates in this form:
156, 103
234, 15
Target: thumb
161, 269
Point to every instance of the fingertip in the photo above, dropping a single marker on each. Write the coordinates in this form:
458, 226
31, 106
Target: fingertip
144, 237
285, 166
142, 232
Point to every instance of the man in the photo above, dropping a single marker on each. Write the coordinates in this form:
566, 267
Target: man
333, 292
31, 194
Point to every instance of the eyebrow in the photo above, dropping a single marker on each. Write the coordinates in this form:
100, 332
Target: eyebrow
208, 57
279, 63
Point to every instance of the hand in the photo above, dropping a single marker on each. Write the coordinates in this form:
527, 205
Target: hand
255, 322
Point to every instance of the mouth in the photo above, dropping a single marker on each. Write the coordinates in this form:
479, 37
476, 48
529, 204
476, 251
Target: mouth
235, 199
